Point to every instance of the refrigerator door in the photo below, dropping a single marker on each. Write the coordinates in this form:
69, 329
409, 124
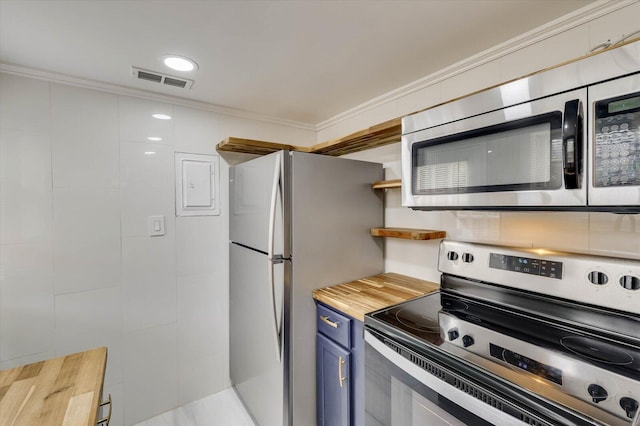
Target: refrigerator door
256, 366
256, 206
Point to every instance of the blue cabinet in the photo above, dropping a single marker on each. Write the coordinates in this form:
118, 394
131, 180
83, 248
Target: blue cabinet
339, 368
333, 383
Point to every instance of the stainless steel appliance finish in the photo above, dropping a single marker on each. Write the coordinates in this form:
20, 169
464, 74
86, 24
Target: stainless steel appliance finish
541, 337
298, 222
536, 143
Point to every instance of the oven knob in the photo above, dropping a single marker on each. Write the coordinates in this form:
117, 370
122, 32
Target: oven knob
597, 392
598, 278
467, 341
452, 255
467, 257
629, 405
630, 282
453, 334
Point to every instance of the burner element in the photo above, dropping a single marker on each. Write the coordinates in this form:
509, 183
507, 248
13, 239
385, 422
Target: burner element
596, 350
417, 322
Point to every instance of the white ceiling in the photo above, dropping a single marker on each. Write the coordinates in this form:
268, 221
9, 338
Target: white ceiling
305, 60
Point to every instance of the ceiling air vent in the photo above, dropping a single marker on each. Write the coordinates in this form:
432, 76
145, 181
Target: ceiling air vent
157, 77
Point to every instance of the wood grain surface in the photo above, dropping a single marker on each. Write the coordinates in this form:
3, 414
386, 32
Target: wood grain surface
387, 184
369, 294
372, 137
408, 233
58, 391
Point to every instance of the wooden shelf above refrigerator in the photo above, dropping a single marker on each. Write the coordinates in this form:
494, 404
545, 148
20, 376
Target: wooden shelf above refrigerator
387, 184
372, 137
252, 146
408, 233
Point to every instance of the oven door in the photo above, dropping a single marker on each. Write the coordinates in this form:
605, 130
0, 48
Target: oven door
400, 393
524, 156
405, 386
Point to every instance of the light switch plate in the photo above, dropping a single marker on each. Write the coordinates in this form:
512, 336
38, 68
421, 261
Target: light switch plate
156, 226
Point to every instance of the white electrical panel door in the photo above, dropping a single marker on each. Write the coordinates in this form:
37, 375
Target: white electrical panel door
197, 185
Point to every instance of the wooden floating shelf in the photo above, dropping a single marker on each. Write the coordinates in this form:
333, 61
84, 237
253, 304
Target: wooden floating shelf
387, 184
372, 137
408, 234
251, 146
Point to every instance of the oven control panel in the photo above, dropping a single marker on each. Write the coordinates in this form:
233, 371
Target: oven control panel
526, 265
595, 280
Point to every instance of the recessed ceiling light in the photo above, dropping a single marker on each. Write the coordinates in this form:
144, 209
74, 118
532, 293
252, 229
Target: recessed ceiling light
180, 63
149, 153
162, 116
154, 138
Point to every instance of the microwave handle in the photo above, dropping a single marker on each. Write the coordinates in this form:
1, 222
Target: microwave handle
572, 144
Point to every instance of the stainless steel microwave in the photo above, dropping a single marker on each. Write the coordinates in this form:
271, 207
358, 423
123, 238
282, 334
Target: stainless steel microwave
564, 139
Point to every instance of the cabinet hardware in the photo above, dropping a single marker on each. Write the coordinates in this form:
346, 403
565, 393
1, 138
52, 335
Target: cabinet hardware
340, 377
329, 322
106, 420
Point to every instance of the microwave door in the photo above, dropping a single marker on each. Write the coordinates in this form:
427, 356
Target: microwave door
614, 144
514, 158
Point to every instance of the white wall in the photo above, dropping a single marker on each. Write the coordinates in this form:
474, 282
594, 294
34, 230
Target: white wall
77, 268
597, 233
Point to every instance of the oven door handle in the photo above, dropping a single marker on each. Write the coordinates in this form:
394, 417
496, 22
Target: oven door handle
572, 141
438, 385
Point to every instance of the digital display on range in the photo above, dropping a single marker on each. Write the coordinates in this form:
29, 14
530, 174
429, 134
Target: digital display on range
526, 265
532, 366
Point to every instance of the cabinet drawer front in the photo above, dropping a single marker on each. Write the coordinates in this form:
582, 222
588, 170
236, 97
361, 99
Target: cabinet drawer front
334, 325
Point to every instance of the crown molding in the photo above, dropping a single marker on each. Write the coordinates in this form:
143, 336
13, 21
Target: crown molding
126, 91
579, 17
588, 13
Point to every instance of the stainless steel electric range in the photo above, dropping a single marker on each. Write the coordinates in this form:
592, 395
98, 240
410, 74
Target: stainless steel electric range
515, 336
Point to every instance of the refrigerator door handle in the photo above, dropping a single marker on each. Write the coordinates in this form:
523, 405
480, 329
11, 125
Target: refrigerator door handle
274, 204
275, 189
278, 335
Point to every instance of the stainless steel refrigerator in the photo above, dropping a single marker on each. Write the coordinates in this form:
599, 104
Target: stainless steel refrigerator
297, 222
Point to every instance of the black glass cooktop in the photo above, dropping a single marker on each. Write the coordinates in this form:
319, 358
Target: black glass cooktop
417, 317
578, 342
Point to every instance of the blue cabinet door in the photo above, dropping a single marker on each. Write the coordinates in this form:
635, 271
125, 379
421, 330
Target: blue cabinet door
333, 367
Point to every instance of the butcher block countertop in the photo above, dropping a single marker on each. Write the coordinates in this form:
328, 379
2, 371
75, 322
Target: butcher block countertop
369, 294
59, 391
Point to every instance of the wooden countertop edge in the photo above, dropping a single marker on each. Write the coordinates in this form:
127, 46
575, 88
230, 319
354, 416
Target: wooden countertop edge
369, 294
76, 381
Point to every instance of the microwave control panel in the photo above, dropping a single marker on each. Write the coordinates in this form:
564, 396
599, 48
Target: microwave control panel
617, 141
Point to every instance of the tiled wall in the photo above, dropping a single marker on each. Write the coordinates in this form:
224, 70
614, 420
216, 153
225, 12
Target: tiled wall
77, 267
596, 233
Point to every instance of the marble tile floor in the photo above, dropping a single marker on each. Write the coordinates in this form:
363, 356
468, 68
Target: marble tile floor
223, 408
